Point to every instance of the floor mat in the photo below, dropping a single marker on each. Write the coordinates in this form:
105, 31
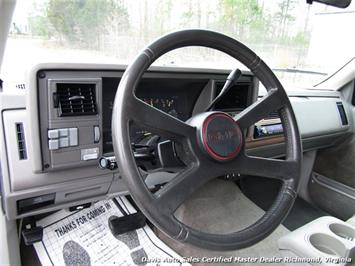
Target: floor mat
220, 207
263, 191
84, 238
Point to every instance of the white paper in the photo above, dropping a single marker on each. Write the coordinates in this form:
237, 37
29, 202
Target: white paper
84, 238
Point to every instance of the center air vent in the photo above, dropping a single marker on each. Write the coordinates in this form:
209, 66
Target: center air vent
74, 99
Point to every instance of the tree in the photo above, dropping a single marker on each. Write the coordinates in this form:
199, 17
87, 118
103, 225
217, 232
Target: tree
40, 26
81, 22
243, 18
284, 16
162, 18
188, 14
193, 13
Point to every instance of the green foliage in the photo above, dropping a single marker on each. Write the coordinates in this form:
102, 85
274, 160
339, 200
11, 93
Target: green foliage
40, 26
243, 18
162, 18
301, 39
102, 24
82, 21
284, 17
188, 15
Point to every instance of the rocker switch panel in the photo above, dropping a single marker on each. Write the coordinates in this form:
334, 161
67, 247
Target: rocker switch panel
62, 138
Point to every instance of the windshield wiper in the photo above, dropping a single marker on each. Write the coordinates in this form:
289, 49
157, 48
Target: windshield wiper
298, 70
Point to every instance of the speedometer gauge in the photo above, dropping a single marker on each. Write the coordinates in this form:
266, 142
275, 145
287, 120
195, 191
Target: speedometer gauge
167, 105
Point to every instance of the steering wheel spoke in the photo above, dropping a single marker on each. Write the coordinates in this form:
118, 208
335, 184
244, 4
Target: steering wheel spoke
266, 167
272, 101
174, 193
158, 122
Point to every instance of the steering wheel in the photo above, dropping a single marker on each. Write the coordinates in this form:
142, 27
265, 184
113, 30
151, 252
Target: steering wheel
211, 144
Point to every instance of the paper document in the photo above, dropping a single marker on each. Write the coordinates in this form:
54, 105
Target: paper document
84, 238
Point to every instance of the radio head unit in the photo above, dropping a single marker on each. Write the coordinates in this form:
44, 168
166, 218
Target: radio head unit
261, 131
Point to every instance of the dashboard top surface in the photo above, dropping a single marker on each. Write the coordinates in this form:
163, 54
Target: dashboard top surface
311, 92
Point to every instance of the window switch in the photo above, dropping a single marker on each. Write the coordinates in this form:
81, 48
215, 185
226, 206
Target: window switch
53, 133
63, 142
63, 132
53, 144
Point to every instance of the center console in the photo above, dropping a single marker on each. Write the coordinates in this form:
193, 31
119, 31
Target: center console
325, 241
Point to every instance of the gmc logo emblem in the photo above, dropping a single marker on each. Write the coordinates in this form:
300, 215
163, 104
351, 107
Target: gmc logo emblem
221, 136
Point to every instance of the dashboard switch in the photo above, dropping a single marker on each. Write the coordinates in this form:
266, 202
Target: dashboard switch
63, 142
73, 136
53, 144
53, 133
96, 134
63, 132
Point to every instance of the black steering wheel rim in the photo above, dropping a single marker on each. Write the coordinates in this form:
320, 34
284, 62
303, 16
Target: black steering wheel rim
159, 207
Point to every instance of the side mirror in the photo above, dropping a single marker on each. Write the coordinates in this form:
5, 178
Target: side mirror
336, 3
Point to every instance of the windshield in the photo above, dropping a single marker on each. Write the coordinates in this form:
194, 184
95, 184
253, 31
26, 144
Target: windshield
302, 43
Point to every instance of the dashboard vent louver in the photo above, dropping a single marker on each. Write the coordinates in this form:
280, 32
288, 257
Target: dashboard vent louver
74, 99
21, 142
344, 119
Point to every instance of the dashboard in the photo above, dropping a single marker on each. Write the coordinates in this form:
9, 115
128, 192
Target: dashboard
75, 110
56, 131
174, 96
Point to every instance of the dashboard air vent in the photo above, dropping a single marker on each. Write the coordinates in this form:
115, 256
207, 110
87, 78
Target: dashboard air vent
21, 142
74, 99
344, 119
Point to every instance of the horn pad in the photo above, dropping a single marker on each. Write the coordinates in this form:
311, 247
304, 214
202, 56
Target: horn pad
221, 136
